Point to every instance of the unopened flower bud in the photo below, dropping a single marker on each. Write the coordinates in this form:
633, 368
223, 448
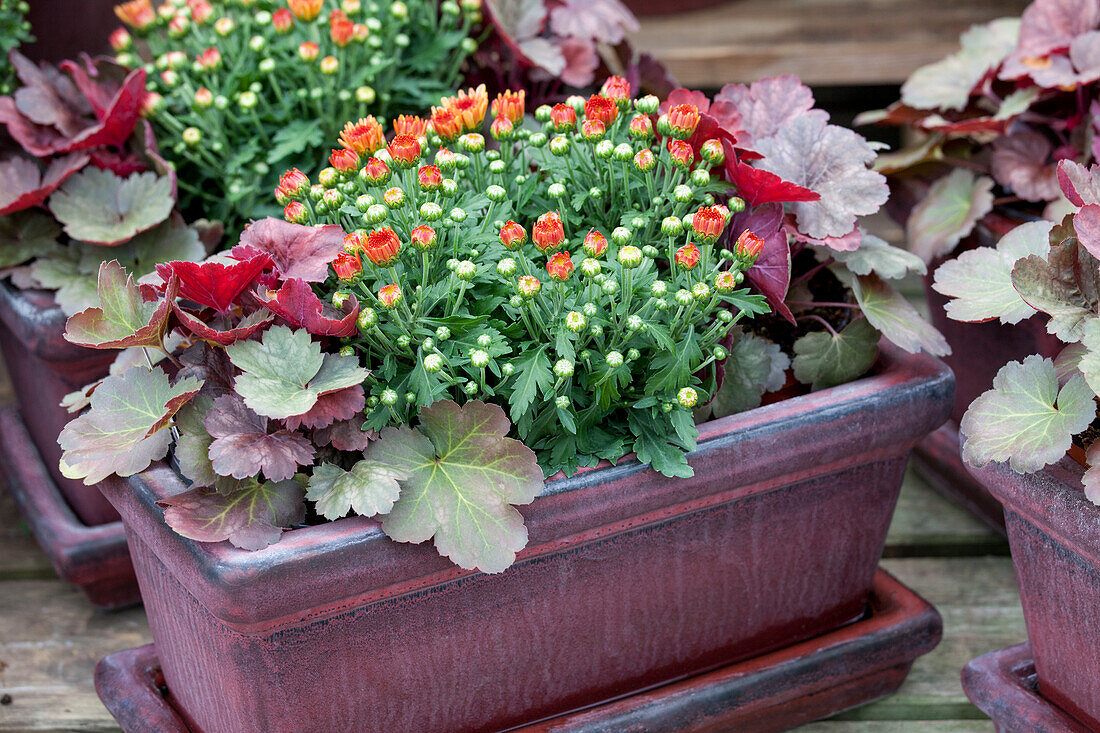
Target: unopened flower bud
433, 363
390, 296
736, 204
508, 369
471, 142
712, 152
465, 270
528, 286
687, 257
470, 388
367, 319
699, 177
458, 215
556, 190
645, 160
563, 369
687, 397
560, 145
575, 321
596, 330
605, 149
700, 291
658, 288
507, 267
683, 194
725, 316
633, 355
479, 358
634, 322
647, 105
614, 359
621, 236
388, 398
442, 333
192, 136
495, 193
623, 153
719, 352
562, 402
590, 267
590, 309
376, 214
683, 297
609, 286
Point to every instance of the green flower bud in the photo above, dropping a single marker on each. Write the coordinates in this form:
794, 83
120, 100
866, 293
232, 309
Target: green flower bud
720, 353
399, 10
633, 355
637, 222
556, 190
610, 286
403, 341
458, 215
562, 402
470, 388
671, 226
389, 397
605, 149
621, 236
508, 369
590, 267
479, 358
431, 211
595, 193
465, 270
647, 105
700, 291
650, 251
563, 369
596, 330
658, 289
484, 340
630, 256
634, 322
376, 213
471, 142
339, 300
495, 193
516, 301
542, 114
433, 363
266, 66
365, 95
449, 187
590, 309
660, 304
683, 297
507, 267
347, 351
614, 359
687, 397
497, 166
575, 321
560, 145
364, 202
624, 153
736, 205
683, 194
537, 140
442, 333
666, 407
192, 136
328, 177
724, 316
248, 99
700, 177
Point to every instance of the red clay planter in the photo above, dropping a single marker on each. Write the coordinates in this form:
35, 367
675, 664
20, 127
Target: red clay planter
1004, 686
1054, 532
94, 558
978, 351
630, 580
851, 666
74, 524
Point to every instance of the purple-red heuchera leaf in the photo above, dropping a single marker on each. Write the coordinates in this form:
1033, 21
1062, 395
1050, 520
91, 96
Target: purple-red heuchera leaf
250, 517
1051, 25
580, 61
243, 446
22, 184
1080, 185
769, 104
519, 24
248, 327
758, 187
343, 404
1086, 223
346, 435
1021, 163
771, 273
847, 243
297, 304
604, 21
215, 284
298, 251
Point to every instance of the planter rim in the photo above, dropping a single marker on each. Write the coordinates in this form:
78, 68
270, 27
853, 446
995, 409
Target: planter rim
1052, 499
27, 312
231, 582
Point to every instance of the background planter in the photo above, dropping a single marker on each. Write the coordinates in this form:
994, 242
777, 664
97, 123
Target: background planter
978, 351
336, 623
43, 368
1054, 532
63, 31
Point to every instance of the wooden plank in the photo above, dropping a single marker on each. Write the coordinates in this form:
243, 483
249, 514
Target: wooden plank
50, 642
826, 42
20, 557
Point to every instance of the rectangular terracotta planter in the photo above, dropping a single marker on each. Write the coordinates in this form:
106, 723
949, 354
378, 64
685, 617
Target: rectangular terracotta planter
95, 558
978, 351
1054, 532
1004, 686
851, 666
43, 368
629, 580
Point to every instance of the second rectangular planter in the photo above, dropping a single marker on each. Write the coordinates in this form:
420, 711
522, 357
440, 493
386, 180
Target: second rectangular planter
1054, 532
630, 579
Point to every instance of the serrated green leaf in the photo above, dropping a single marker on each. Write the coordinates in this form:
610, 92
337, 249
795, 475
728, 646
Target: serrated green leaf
26, 235
896, 318
60, 271
464, 477
1025, 419
293, 138
823, 360
369, 488
251, 516
755, 365
98, 207
655, 446
285, 373
192, 448
1089, 362
948, 212
123, 318
533, 376
1064, 286
670, 371
122, 432
875, 255
979, 281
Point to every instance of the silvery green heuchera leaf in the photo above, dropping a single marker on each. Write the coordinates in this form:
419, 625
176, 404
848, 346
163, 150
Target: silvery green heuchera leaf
464, 478
1021, 163
979, 281
369, 488
875, 255
755, 366
250, 517
889, 311
947, 84
949, 211
192, 450
26, 235
98, 207
1026, 419
123, 318
1065, 285
285, 373
1089, 361
826, 360
244, 446
832, 162
123, 432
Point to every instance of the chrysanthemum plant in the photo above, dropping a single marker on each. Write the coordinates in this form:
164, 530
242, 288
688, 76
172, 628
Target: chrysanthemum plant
243, 89
1038, 409
994, 120
81, 182
14, 31
443, 320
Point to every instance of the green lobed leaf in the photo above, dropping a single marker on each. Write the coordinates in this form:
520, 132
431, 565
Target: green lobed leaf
285, 373
61, 271
369, 488
877, 256
658, 447
123, 317
251, 516
533, 377
1025, 419
1091, 478
99, 207
895, 317
464, 475
824, 360
192, 450
979, 281
755, 366
1089, 362
122, 432
26, 235
948, 212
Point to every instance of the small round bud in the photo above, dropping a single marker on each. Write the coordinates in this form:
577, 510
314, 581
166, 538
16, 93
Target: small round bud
508, 369
575, 321
595, 193
610, 286
367, 319
497, 166
528, 286
376, 214
560, 145
388, 398
449, 187
433, 363
192, 136
687, 397
537, 140
736, 204
621, 236
563, 369
562, 402
458, 215
556, 190
590, 309
658, 288
590, 267
484, 340
365, 95
650, 251
633, 355
614, 359
623, 153
507, 267
495, 193
428, 344
431, 211
596, 330
516, 301
364, 202
700, 177
630, 256
720, 352
634, 322
700, 291
465, 270
542, 114
683, 194
442, 333
671, 226
479, 358
470, 388
683, 297
403, 341
647, 105
724, 316
605, 149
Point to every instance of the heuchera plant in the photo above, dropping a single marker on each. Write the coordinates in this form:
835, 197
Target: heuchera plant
995, 120
443, 321
1038, 408
84, 182
242, 90
14, 32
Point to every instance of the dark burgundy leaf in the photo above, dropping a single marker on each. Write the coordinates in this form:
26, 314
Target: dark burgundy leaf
215, 283
296, 303
243, 447
771, 273
22, 184
346, 435
247, 328
342, 404
759, 187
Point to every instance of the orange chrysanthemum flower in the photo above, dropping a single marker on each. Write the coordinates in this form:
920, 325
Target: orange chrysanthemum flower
137, 14
470, 106
364, 137
510, 104
305, 9
411, 126
446, 123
